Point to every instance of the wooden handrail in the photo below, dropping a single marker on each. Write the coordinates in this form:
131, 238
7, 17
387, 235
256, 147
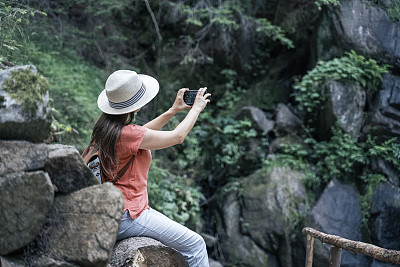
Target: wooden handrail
382, 254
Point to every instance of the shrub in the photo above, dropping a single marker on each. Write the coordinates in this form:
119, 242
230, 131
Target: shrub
309, 91
174, 196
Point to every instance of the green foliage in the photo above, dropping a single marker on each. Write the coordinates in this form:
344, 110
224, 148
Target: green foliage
339, 157
14, 20
174, 196
342, 157
295, 156
274, 32
309, 91
371, 181
321, 3
222, 138
28, 88
388, 150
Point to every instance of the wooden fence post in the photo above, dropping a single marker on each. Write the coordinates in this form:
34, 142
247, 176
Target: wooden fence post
310, 249
335, 256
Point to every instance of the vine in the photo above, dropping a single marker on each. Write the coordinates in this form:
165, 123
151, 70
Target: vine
309, 91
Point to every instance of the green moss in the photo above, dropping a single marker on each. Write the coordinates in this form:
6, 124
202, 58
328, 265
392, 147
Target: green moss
27, 87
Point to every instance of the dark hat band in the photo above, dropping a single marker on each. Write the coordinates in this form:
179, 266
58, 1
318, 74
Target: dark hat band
130, 101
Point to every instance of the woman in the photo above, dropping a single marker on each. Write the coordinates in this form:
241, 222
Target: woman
127, 147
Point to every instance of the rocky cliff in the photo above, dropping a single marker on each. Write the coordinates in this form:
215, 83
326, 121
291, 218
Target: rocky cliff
259, 214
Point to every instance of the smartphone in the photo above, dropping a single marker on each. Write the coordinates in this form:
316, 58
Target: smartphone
190, 96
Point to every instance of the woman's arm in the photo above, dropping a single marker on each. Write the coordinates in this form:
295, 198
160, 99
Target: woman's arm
177, 107
162, 139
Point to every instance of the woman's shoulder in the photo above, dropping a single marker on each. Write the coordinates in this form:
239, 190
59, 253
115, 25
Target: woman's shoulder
133, 128
133, 131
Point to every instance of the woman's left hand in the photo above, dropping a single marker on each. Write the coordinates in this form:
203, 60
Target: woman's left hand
179, 104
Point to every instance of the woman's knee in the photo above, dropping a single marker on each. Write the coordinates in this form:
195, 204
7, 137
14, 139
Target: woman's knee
200, 243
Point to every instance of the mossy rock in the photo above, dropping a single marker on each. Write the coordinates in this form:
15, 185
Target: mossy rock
24, 105
27, 87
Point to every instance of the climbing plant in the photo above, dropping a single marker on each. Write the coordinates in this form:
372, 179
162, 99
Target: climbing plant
310, 89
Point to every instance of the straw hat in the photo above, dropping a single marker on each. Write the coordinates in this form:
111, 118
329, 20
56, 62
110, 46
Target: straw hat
127, 91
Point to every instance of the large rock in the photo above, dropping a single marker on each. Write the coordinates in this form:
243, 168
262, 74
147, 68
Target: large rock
361, 26
16, 156
273, 202
15, 122
144, 251
337, 212
286, 121
25, 199
67, 169
385, 114
85, 225
385, 209
262, 122
237, 248
345, 104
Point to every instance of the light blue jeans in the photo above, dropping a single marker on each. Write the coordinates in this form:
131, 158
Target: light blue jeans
154, 224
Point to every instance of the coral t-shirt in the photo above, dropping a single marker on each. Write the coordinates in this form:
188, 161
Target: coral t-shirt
133, 183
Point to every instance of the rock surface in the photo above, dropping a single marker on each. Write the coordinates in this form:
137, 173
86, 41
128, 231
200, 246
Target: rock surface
25, 199
15, 123
362, 26
16, 156
67, 170
337, 212
385, 210
260, 227
85, 225
144, 251
345, 104
286, 121
238, 248
262, 123
385, 116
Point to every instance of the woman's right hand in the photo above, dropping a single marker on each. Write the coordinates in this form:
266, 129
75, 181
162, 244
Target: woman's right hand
201, 100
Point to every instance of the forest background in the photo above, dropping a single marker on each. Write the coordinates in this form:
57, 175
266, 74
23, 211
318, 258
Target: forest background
248, 53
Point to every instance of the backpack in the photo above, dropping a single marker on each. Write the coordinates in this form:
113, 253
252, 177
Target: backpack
92, 160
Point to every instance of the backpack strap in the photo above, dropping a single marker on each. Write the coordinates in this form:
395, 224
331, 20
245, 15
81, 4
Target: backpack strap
123, 170
94, 151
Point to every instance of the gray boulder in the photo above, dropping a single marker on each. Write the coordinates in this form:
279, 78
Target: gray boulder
67, 169
16, 156
385, 115
25, 199
345, 104
270, 201
337, 212
237, 248
15, 122
144, 251
262, 122
85, 225
286, 121
381, 166
366, 28
385, 209
272, 204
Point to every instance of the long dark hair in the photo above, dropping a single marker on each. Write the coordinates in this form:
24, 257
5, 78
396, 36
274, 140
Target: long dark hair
106, 133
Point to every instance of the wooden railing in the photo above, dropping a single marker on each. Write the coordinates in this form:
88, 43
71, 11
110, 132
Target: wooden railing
338, 243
